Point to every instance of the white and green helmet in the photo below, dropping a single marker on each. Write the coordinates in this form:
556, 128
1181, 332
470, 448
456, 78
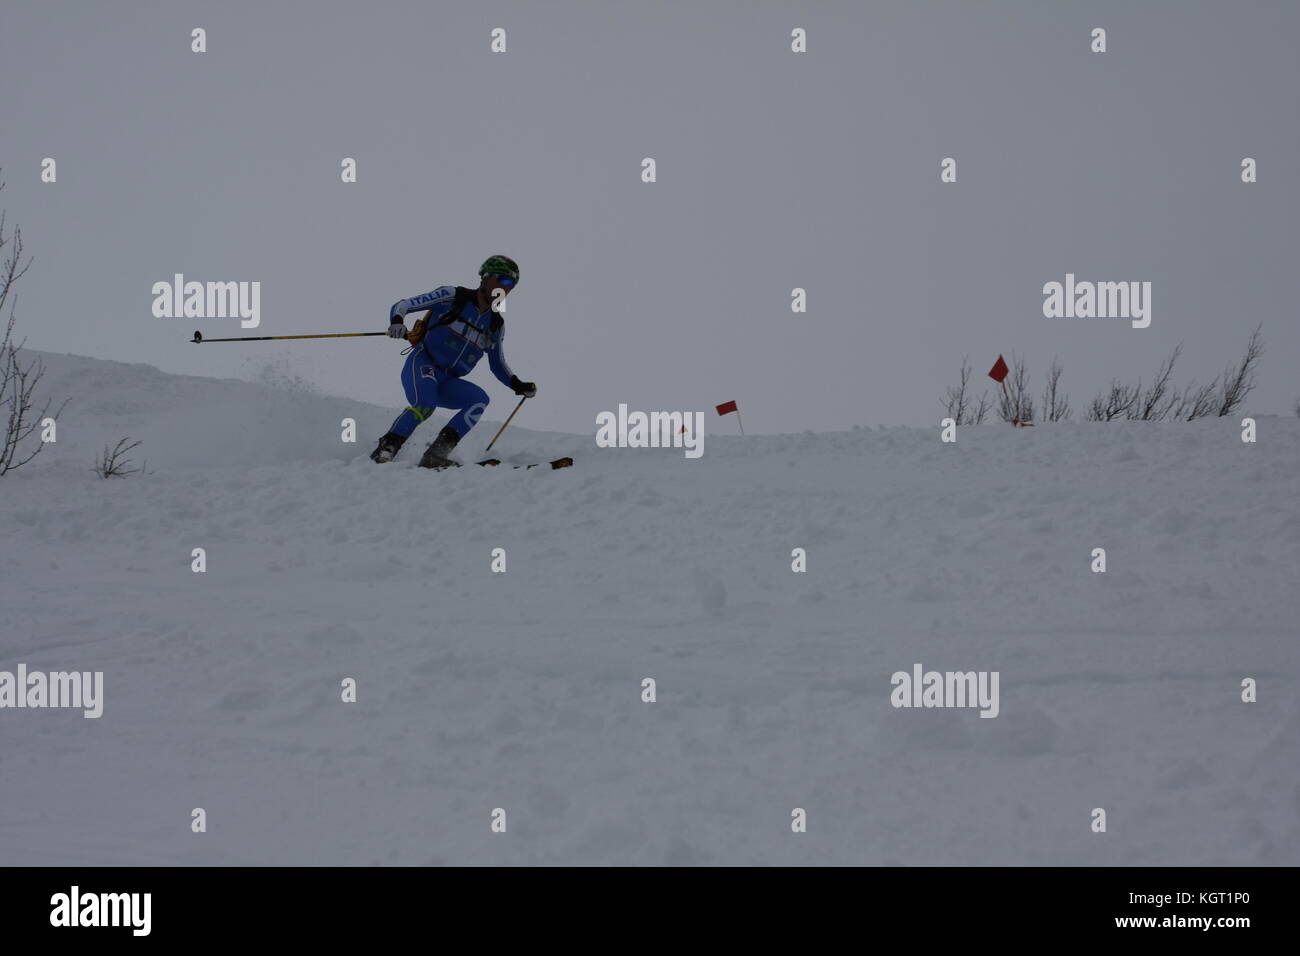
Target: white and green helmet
500, 266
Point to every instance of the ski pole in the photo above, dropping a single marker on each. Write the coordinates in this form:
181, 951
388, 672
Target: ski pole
503, 425
198, 337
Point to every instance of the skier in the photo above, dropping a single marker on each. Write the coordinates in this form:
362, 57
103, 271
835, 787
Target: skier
459, 327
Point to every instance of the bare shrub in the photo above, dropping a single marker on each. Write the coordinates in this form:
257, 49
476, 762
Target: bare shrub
1056, 404
1158, 400
19, 378
1015, 403
112, 463
1240, 381
1113, 403
960, 405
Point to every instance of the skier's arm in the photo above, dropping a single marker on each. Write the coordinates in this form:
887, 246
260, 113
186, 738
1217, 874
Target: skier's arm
497, 362
439, 300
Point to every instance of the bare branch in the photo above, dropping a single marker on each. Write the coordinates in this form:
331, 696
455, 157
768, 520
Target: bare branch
1155, 403
1240, 382
1115, 403
1197, 401
18, 381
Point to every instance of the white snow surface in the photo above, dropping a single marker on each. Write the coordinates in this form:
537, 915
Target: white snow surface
522, 690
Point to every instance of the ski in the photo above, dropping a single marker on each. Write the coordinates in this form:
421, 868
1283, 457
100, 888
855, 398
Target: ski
557, 463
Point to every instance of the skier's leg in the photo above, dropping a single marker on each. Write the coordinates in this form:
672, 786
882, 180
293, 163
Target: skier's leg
421, 386
421, 389
469, 398
471, 401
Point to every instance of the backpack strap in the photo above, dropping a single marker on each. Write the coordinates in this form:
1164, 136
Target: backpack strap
463, 296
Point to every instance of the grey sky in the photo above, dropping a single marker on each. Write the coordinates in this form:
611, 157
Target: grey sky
776, 170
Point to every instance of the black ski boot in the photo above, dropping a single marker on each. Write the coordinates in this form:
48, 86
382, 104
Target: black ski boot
435, 456
388, 448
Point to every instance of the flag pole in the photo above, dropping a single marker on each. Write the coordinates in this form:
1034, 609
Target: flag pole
1000, 366
726, 408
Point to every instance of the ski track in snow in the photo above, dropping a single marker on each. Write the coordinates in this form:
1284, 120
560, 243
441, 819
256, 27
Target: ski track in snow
522, 690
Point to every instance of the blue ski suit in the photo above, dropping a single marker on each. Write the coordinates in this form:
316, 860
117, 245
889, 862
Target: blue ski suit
432, 376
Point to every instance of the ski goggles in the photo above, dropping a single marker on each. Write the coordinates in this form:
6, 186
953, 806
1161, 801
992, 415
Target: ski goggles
506, 282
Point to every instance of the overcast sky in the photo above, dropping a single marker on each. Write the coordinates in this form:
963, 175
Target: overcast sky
776, 170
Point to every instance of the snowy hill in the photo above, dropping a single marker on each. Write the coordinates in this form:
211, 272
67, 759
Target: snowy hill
522, 691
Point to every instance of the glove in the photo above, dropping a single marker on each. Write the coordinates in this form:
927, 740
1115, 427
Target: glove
397, 330
526, 389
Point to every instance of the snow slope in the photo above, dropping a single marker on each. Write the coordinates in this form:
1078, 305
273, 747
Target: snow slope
523, 690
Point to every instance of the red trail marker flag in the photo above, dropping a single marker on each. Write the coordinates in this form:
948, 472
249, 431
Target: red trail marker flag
999, 373
726, 408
